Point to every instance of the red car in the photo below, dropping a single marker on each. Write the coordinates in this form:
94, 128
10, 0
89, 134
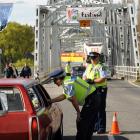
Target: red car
25, 113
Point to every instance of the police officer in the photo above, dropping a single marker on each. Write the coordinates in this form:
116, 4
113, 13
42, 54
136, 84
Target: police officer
98, 77
79, 92
68, 69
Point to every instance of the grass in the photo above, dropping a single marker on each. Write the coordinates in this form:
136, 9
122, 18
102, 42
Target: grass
137, 82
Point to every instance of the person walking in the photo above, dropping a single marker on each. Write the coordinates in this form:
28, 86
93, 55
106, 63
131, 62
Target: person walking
98, 77
68, 69
8, 71
15, 71
79, 92
26, 71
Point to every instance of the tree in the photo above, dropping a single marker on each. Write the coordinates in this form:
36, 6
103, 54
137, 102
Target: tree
16, 41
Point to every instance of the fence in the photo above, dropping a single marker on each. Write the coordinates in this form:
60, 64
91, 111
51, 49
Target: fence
127, 72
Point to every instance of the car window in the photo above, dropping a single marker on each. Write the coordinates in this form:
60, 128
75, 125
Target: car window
35, 98
45, 92
78, 68
1, 107
11, 98
45, 96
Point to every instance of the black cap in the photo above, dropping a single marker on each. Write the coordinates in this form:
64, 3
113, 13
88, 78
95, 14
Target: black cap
57, 73
94, 55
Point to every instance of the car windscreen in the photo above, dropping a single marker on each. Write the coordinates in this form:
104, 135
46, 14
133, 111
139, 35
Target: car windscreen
79, 68
11, 99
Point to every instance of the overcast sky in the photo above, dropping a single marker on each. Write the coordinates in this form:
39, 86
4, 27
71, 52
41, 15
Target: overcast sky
24, 10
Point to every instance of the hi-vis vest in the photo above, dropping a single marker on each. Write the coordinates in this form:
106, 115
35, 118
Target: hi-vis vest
88, 70
95, 73
68, 68
81, 88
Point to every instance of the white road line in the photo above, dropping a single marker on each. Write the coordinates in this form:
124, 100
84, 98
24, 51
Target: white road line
111, 138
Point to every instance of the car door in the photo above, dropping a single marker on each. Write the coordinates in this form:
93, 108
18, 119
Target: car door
54, 109
44, 112
14, 122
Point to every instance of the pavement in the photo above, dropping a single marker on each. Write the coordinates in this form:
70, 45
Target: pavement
135, 83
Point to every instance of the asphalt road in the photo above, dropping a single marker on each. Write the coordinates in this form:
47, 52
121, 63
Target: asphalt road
123, 98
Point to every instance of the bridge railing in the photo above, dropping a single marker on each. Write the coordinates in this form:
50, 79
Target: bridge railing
127, 72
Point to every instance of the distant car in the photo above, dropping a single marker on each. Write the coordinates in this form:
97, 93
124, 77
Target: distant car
25, 113
108, 72
78, 70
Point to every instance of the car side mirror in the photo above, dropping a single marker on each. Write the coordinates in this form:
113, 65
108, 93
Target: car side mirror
3, 104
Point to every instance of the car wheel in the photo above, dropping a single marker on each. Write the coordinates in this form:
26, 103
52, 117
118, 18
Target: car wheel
59, 133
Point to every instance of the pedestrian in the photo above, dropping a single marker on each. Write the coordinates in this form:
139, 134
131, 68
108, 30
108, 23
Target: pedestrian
79, 92
98, 77
15, 71
68, 69
26, 71
8, 71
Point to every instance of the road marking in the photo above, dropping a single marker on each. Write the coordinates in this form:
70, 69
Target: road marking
111, 138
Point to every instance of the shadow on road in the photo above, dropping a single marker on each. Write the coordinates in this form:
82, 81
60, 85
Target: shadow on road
104, 137
130, 132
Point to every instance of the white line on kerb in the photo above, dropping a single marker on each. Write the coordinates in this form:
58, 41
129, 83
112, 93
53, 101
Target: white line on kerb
111, 138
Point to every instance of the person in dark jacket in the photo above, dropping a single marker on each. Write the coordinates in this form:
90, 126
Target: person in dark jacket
8, 71
15, 71
26, 71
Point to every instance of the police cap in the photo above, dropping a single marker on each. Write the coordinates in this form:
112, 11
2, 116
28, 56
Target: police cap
57, 74
94, 55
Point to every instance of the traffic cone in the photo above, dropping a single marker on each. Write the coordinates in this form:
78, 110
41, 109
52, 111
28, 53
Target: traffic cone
115, 127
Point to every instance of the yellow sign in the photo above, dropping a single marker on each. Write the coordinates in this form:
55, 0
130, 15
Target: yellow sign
72, 57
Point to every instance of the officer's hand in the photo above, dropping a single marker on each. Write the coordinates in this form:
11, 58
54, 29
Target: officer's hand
89, 81
78, 117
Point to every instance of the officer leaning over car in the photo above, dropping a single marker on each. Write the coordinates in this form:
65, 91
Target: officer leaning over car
97, 77
79, 92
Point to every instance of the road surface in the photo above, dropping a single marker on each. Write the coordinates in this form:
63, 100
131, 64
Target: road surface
123, 98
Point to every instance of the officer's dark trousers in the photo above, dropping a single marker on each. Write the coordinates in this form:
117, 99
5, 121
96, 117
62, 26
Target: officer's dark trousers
100, 124
85, 126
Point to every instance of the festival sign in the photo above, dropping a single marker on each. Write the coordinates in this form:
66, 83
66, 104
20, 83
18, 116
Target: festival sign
88, 13
91, 13
72, 15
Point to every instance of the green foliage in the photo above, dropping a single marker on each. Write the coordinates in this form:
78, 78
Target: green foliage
16, 41
21, 63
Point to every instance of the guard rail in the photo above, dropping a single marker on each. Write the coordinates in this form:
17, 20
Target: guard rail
127, 72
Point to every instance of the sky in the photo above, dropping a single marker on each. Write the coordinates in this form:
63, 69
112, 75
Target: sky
24, 10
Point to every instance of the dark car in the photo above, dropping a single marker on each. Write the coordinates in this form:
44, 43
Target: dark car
78, 70
25, 113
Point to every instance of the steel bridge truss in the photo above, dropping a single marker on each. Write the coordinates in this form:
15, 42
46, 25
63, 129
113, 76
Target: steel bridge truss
117, 31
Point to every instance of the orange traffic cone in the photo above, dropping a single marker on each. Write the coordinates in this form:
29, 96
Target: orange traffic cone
115, 128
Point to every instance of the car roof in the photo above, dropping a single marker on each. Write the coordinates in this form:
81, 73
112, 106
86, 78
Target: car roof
17, 81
